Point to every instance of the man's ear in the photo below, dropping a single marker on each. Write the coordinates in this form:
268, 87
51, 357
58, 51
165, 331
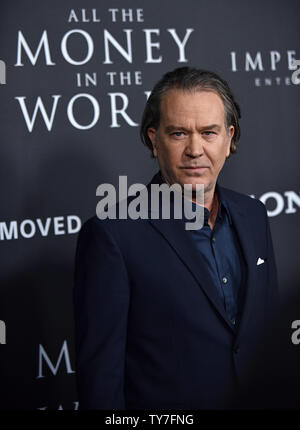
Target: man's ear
152, 136
230, 135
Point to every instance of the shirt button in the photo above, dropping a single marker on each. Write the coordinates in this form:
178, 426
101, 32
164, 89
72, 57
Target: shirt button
213, 239
224, 279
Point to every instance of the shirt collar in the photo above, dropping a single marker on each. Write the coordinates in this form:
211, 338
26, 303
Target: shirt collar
223, 207
223, 204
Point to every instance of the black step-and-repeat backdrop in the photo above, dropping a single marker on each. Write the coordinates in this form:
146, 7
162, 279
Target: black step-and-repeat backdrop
78, 74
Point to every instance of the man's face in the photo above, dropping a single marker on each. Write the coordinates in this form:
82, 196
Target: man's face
191, 143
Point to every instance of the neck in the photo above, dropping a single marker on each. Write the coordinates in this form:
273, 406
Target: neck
213, 211
211, 202
209, 198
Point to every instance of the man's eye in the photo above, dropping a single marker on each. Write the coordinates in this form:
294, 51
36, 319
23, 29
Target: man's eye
208, 133
178, 133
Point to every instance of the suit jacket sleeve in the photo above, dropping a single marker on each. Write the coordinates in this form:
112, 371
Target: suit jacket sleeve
101, 301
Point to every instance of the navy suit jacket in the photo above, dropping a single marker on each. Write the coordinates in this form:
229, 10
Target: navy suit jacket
150, 329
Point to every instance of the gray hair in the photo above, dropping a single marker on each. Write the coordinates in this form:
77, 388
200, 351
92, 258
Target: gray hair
189, 79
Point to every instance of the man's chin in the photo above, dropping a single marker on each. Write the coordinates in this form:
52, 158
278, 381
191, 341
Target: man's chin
192, 193
189, 180
194, 184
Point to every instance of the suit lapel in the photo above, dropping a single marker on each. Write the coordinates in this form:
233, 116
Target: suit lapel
179, 239
173, 230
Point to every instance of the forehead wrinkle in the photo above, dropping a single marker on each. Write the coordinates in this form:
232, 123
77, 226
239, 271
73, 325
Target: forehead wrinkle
196, 116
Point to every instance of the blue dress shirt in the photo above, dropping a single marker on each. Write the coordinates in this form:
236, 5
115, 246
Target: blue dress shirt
222, 252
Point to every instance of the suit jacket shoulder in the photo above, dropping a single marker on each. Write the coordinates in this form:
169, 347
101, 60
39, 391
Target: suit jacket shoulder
244, 201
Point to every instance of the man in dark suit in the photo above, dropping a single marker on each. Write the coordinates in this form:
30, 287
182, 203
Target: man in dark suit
167, 318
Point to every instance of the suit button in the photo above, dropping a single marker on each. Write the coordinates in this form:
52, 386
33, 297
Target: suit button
236, 349
224, 280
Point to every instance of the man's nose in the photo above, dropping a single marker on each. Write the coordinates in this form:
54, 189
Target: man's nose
194, 146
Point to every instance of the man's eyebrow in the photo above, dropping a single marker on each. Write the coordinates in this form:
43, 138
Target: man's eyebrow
216, 127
